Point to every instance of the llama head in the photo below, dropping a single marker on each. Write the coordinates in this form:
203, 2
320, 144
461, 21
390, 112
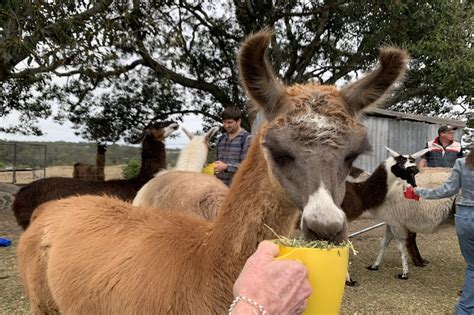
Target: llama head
188, 133
206, 138
403, 166
156, 131
101, 148
313, 133
210, 135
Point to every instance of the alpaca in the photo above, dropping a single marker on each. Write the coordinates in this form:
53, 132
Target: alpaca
193, 156
93, 254
363, 195
403, 215
354, 205
153, 160
185, 188
91, 172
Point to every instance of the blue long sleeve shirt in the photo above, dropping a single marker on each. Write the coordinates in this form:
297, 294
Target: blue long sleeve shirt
461, 178
232, 152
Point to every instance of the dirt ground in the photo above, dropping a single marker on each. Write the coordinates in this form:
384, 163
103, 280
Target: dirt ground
430, 290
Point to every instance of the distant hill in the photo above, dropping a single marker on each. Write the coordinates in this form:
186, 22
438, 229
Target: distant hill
32, 154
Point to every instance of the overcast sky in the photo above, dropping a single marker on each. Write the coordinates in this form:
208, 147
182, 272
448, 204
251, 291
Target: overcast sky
56, 132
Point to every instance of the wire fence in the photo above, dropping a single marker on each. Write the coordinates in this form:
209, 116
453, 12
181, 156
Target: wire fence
22, 160
22, 163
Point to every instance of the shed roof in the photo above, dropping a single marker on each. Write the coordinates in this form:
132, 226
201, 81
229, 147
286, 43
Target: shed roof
404, 116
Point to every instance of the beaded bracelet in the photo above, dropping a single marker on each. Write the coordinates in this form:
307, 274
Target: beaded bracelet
256, 305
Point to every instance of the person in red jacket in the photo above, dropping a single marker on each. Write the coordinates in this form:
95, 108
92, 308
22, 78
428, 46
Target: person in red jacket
444, 149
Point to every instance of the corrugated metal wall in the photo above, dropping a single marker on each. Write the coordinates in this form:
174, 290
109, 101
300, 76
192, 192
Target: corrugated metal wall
403, 136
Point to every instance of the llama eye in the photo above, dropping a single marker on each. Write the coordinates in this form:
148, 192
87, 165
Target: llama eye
282, 158
350, 158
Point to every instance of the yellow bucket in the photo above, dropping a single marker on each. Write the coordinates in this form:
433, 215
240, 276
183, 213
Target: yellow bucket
209, 169
327, 270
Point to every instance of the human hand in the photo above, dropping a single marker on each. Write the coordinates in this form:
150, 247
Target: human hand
410, 193
280, 286
220, 166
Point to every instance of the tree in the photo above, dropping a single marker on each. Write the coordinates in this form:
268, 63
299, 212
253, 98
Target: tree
156, 59
131, 169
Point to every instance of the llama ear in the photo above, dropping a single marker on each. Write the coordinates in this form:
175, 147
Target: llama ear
139, 139
188, 133
211, 134
373, 88
257, 76
170, 129
420, 153
392, 152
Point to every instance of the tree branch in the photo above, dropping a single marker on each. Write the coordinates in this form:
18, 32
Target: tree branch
98, 75
310, 50
194, 111
164, 72
406, 95
323, 9
48, 31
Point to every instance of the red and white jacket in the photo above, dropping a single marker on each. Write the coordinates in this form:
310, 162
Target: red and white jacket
440, 156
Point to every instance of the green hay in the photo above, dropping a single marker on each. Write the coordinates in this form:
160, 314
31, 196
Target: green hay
299, 242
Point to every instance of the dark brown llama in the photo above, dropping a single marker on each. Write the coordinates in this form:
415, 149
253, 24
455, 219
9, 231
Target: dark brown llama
90, 172
101, 255
153, 160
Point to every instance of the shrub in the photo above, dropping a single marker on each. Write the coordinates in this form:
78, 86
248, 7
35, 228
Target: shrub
131, 169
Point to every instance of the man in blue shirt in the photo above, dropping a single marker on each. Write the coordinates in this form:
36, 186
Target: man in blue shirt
232, 146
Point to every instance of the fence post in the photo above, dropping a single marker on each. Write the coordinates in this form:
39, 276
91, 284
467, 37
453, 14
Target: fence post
14, 164
44, 169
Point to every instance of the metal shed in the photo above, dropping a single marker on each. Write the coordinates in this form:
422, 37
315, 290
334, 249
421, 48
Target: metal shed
404, 133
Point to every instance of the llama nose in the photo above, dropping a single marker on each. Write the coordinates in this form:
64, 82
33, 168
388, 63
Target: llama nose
321, 218
333, 233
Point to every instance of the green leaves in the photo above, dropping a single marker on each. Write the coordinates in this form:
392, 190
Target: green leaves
112, 66
131, 169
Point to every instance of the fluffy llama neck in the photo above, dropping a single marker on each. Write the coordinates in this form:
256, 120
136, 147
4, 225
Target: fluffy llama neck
153, 158
100, 165
253, 201
364, 195
193, 155
373, 191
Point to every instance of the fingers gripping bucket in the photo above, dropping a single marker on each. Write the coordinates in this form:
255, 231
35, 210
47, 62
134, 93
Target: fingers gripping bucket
327, 270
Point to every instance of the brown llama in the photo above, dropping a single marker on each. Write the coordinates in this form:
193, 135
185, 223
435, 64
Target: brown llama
96, 255
153, 160
90, 172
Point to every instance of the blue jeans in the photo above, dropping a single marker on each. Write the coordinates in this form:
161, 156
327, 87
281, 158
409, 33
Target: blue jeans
464, 219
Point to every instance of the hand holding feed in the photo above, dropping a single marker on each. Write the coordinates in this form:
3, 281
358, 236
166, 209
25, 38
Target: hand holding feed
219, 166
